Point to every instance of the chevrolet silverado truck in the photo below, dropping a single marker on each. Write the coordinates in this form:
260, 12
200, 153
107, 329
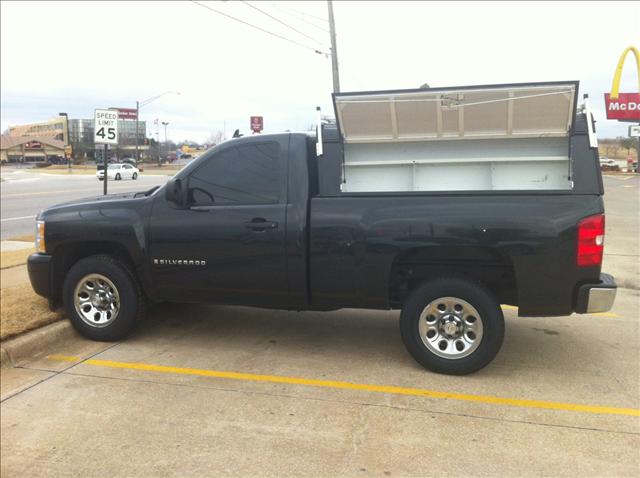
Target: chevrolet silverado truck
443, 203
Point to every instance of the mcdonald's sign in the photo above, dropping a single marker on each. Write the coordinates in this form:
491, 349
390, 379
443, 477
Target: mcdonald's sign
623, 106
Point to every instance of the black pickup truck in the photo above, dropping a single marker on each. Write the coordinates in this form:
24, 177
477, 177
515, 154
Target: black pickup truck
443, 203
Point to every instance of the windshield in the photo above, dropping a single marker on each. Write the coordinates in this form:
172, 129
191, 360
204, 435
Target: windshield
114, 166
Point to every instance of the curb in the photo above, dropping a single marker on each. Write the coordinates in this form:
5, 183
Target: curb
35, 343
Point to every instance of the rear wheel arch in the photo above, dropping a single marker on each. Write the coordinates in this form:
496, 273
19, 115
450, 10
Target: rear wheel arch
461, 338
485, 266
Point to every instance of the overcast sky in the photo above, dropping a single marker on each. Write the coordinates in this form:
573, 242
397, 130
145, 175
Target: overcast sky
76, 56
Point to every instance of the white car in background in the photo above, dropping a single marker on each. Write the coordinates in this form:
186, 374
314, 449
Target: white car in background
119, 171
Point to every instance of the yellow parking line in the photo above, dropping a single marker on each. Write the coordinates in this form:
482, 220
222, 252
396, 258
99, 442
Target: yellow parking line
417, 392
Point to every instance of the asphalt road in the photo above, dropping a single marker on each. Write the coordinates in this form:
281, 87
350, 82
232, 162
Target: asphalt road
25, 193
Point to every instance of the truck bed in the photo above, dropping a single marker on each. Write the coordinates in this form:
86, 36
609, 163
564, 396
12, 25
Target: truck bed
379, 245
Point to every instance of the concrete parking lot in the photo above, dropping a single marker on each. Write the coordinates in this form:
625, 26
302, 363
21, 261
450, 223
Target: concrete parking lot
235, 391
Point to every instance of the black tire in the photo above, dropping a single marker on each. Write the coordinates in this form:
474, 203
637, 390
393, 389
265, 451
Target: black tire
135, 176
131, 299
490, 315
118, 177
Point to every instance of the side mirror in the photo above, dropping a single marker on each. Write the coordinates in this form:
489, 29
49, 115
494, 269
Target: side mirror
176, 192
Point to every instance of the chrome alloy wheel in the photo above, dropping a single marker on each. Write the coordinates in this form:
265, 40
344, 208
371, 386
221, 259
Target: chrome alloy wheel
96, 300
450, 327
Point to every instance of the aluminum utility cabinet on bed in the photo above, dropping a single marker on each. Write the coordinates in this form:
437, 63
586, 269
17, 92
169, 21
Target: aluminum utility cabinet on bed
458, 139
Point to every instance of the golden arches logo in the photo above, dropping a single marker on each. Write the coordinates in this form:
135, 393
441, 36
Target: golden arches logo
615, 87
623, 106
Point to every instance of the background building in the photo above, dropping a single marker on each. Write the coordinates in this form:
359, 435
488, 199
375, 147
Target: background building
60, 137
20, 149
81, 131
56, 128
81, 138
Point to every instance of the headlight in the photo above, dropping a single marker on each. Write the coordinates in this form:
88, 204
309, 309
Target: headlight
40, 244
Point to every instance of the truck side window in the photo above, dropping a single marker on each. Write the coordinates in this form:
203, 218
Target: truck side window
246, 174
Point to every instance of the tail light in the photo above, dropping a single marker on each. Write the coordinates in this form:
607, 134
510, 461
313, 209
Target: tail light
590, 241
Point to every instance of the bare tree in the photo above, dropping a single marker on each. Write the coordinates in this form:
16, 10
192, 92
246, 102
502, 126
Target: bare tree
628, 144
216, 137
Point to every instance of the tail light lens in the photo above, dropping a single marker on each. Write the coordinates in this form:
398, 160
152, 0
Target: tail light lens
590, 241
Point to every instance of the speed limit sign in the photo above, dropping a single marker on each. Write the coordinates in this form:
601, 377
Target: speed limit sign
105, 127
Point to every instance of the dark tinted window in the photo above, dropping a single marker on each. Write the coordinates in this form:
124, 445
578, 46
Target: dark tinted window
248, 174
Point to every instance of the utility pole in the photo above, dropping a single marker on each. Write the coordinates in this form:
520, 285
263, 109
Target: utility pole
334, 49
145, 103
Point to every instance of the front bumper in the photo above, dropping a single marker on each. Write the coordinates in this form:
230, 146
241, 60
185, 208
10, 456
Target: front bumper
39, 267
594, 298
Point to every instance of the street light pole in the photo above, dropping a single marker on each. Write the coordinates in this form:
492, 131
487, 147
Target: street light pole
158, 142
142, 103
137, 129
165, 123
334, 49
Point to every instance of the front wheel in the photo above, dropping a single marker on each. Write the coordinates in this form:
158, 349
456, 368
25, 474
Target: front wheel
452, 326
102, 298
118, 177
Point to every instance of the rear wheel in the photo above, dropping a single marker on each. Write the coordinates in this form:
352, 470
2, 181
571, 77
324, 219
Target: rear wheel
135, 176
452, 326
102, 298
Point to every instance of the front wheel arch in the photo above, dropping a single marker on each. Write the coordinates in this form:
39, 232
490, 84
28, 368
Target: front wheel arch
111, 281
67, 255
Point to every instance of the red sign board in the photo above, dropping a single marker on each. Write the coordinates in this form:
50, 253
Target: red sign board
625, 107
127, 113
33, 145
257, 124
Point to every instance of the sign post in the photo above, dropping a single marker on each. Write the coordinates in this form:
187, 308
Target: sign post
105, 132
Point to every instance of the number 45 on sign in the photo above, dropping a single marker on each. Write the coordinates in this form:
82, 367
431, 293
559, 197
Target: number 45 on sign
105, 127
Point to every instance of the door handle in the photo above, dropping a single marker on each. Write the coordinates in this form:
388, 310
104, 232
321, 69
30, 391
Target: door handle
260, 224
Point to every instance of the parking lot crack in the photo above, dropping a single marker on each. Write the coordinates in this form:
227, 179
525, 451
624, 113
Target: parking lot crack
54, 373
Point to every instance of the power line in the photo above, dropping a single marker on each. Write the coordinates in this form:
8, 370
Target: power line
261, 29
300, 18
305, 14
280, 21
